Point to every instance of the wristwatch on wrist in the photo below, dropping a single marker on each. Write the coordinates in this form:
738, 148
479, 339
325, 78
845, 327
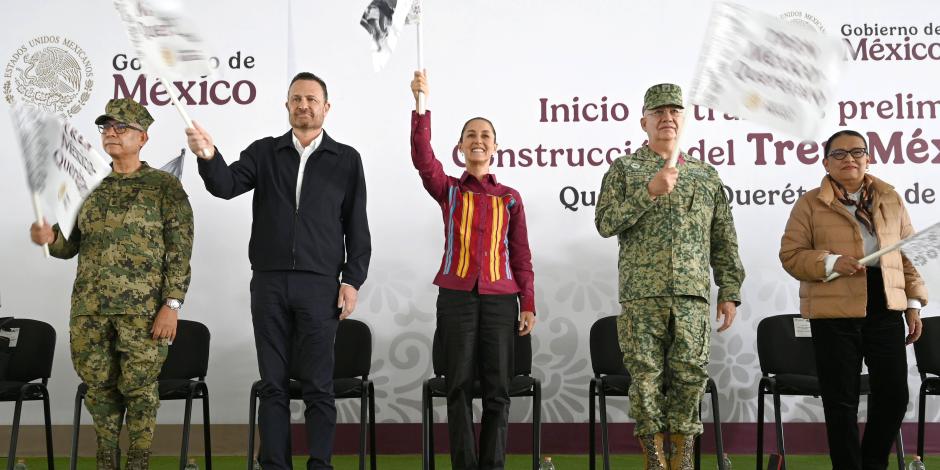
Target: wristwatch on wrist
174, 304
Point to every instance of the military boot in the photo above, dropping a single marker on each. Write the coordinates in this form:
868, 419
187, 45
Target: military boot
654, 458
108, 459
683, 447
138, 459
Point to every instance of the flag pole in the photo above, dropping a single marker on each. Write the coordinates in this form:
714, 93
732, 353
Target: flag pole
182, 110
37, 209
873, 256
673, 159
422, 104
888, 249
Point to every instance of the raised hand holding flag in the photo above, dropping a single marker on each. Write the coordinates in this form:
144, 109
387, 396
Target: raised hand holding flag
62, 168
169, 49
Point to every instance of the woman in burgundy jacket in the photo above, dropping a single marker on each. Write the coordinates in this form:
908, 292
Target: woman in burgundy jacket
485, 279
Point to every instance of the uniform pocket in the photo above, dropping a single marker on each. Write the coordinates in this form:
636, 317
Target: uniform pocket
704, 199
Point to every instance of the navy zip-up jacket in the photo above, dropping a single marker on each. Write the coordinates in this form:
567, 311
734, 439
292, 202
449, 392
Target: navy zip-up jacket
327, 233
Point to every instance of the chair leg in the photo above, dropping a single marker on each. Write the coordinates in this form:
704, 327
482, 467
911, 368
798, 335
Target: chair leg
50, 462
14, 434
697, 444
605, 438
187, 415
716, 421
899, 447
206, 432
921, 413
781, 448
76, 426
760, 427
427, 426
363, 424
252, 415
537, 425
592, 419
372, 449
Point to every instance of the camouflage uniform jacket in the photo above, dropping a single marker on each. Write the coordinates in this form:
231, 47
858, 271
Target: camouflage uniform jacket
133, 238
667, 244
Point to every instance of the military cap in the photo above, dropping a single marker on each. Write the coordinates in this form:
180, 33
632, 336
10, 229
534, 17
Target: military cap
664, 94
127, 111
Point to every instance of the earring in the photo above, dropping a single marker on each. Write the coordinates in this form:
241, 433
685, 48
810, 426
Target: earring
462, 155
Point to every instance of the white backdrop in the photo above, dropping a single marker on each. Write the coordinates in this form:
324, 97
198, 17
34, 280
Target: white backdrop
509, 61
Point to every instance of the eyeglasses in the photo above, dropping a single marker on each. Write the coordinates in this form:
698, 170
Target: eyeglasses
660, 113
856, 153
119, 127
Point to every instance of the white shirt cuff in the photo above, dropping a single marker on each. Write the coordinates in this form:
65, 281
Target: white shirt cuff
831, 263
914, 303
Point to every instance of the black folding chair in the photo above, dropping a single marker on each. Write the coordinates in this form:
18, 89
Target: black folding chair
788, 367
611, 379
927, 351
30, 359
521, 385
182, 378
352, 352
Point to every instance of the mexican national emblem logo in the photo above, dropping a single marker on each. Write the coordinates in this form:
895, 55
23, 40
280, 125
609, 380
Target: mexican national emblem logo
804, 20
51, 72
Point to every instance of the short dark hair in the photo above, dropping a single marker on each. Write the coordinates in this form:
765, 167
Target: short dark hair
841, 133
310, 76
478, 118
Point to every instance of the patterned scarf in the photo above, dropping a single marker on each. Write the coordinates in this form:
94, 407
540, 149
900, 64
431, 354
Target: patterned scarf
863, 206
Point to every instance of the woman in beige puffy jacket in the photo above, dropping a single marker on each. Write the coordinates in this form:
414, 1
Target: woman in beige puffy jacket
859, 314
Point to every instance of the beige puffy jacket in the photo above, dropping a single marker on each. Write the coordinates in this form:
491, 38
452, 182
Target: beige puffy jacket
820, 225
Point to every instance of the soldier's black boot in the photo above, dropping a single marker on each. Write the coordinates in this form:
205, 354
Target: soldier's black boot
654, 458
683, 448
108, 459
138, 459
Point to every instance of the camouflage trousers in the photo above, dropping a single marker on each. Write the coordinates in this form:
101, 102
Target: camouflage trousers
665, 344
119, 361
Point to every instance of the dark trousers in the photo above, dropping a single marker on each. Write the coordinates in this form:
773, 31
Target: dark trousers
478, 334
840, 345
295, 317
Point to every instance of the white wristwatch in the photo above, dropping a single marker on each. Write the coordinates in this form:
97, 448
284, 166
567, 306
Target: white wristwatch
174, 304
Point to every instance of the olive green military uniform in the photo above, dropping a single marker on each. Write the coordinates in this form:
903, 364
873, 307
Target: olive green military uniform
133, 238
666, 248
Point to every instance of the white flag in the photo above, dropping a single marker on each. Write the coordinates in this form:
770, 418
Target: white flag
61, 166
175, 166
384, 20
414, 15
923, 250
761, 68
167, 45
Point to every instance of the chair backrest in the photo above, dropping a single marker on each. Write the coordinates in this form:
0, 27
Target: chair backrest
188, 357
523, 354
927, 348
31, 359
606, 358
780, 351
352, 351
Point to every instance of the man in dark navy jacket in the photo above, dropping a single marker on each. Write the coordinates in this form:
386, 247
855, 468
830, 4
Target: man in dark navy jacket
309, 240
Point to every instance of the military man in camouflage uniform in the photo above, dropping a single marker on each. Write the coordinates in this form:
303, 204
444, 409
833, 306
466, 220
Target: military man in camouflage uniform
672, 223
133, 239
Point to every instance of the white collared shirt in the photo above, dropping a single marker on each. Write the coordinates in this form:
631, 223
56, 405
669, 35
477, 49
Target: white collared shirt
305, 153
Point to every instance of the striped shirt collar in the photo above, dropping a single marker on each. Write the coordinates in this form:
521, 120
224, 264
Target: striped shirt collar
488, 179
